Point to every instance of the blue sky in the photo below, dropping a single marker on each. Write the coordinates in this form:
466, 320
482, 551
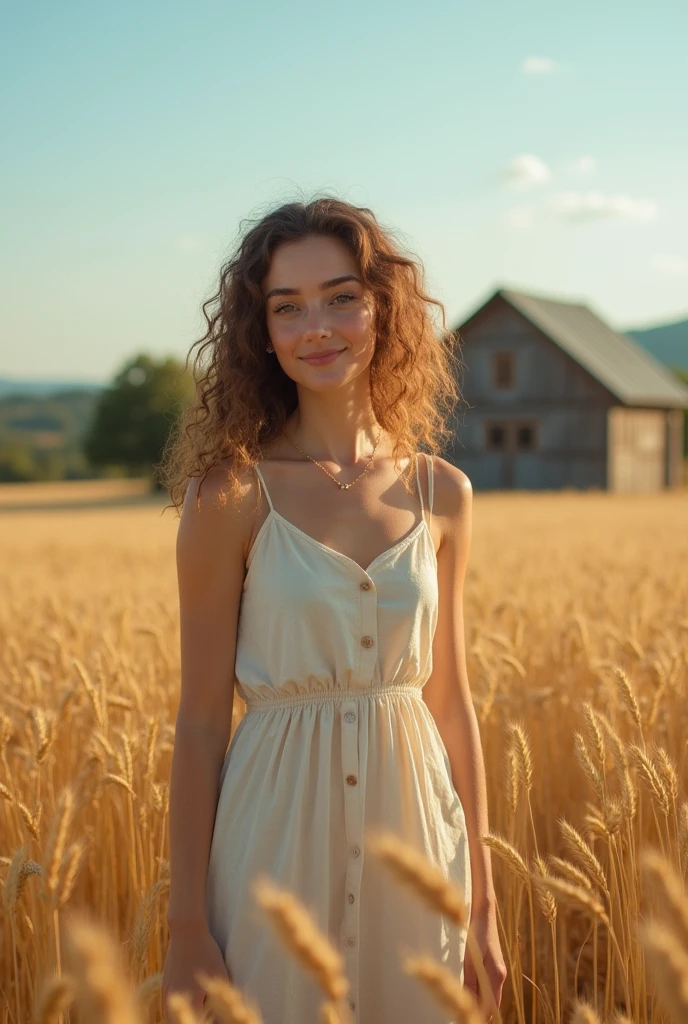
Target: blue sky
536, 145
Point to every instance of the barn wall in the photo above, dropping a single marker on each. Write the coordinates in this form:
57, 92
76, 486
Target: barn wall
567, 406
638, 449
674, 447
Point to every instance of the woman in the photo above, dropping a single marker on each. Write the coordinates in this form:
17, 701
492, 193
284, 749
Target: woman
321, 562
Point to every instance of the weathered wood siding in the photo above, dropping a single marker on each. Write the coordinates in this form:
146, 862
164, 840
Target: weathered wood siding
643, 449
674, 447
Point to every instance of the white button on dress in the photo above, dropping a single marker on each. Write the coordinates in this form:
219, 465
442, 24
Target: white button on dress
336, 740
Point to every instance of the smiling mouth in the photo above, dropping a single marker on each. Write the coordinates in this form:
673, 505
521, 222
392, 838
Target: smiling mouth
320, 357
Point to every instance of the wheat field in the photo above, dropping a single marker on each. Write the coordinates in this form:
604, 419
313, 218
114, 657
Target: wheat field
576, 610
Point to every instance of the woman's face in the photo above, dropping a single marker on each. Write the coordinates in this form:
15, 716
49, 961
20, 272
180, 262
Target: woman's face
320, 325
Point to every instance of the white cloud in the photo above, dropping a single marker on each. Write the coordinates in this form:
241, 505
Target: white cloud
672, 266
596, 206
186, 242
525, 170
520, 218
584, 165
539, 66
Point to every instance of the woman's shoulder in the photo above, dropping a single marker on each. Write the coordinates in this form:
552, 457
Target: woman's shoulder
211, 558
218, 514
217, 490
452, 487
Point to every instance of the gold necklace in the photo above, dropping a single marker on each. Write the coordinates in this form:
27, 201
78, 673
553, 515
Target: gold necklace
342, 487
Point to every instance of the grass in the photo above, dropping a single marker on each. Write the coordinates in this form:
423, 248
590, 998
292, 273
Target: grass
577, 641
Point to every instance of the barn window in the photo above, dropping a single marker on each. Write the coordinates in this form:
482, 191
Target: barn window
511, 436
495, 439
503, 371
525, 437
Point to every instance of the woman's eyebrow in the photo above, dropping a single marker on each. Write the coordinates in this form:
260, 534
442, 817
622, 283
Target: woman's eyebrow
326, 284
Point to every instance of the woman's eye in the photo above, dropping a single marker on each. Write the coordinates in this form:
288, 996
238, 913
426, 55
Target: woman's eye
340, 295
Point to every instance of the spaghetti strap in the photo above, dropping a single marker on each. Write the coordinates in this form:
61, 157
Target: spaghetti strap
431, 482
263, 484
420, 489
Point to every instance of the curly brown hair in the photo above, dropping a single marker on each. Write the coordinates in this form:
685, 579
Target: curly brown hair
243, 397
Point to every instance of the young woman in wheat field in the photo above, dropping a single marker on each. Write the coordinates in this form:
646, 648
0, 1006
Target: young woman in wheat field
321, 557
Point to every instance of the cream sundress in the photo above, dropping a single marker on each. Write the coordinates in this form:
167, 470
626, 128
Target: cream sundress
331, 660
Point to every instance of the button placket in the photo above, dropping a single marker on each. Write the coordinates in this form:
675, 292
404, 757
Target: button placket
353, 785
353, 814
368, 634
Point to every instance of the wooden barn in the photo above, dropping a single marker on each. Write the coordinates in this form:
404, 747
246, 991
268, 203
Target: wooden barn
556, 398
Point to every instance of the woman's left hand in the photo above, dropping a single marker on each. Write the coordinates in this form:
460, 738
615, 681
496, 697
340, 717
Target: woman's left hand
483, 925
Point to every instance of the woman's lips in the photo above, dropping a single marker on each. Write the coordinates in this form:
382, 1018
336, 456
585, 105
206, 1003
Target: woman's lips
323, 358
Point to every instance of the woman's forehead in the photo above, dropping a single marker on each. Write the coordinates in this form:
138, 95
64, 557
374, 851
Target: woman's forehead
309, 263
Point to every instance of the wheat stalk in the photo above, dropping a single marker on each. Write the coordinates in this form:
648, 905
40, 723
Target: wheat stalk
43, 731
570, 871
413, 869
650, 777
627, 694
32, 821
55, 996
228, 1002
667, 888
545, 899
145, 922
180, 1006
445, 988
575, 895
589, 768
298, 931
524, 758
667, 772
508, 853
57, 841
103, 993
584, 1013
69, 871
595, 731
19, 871
668, 962
584, 854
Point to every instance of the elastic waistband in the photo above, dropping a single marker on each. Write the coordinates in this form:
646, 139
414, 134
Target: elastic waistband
334, 696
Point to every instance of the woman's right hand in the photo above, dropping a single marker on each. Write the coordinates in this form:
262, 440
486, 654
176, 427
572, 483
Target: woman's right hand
192, 949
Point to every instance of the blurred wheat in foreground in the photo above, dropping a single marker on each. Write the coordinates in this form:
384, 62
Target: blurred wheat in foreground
576, 610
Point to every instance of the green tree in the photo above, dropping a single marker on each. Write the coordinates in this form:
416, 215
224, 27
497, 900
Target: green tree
17, 463
134, 416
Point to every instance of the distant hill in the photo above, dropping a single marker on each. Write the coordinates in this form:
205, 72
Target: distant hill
42, 387
668, 342
41, 429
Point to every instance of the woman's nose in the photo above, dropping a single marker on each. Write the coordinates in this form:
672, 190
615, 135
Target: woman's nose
316, 325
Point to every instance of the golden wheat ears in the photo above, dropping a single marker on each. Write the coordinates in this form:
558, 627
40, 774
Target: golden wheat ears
665, 935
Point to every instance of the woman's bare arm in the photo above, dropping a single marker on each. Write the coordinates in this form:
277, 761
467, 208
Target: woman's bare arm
211, 545
447, 692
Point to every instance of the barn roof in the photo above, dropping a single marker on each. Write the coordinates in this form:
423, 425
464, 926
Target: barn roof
618, 362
